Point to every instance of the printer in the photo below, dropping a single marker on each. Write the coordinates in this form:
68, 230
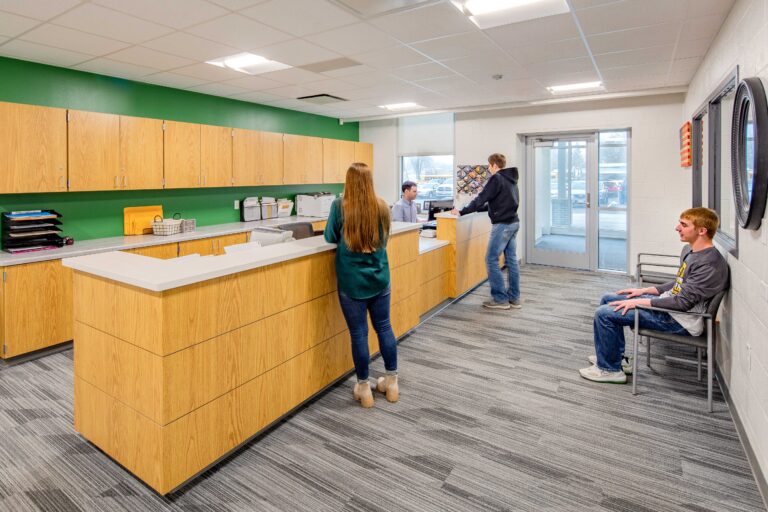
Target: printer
314, 205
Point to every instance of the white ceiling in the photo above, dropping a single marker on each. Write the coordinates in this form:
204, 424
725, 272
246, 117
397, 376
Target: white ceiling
422, 51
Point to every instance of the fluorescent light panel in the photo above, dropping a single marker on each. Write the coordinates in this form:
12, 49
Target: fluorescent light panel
401, 106
248, 63
566, 88
494, 13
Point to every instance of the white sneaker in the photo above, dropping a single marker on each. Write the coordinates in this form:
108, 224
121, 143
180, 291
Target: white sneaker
595, 374
626, 363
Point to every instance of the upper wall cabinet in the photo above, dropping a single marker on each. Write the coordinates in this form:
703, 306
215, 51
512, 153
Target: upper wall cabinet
337, 155
257, 158
215, 156
182, 155
303, 159
364, 153
94, 151
141, 153
33, 149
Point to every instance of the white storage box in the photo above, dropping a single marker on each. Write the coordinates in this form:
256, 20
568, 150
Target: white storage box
250, 209
268, 208
284, 208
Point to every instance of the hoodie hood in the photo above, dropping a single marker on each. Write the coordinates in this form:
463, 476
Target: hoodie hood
510, 173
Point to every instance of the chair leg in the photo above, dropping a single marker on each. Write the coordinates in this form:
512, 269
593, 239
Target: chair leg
698, 357
634, 355
710, 364
648, 352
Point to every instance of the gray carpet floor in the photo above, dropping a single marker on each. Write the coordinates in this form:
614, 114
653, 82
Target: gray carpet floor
493, 416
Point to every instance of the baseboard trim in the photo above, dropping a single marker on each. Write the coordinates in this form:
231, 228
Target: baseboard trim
762, 484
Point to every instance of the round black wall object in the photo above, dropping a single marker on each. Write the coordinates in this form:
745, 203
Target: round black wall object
749, 152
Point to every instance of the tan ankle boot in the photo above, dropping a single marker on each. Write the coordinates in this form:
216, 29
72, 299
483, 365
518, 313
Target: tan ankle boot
389, 386
362, 393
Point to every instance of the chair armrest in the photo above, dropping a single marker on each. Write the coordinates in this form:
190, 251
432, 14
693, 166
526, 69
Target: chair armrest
651, 264
665, 310
676, 256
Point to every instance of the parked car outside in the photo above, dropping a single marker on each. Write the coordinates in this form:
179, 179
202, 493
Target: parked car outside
444, 192
578, 194
426, 190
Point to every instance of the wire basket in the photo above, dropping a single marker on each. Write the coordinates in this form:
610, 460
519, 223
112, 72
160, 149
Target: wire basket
188, 225
166, 227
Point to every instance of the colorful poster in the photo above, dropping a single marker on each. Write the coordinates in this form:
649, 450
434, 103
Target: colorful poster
470, 179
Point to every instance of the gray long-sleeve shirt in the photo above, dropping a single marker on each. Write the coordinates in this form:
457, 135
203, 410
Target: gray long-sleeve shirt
404, 211
701, 276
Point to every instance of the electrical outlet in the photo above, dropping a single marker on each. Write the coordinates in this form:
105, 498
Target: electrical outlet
237, 204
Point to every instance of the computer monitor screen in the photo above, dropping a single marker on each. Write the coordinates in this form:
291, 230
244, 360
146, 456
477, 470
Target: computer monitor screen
439, 206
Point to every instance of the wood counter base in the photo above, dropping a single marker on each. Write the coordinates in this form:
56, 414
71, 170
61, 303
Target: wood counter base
168, 383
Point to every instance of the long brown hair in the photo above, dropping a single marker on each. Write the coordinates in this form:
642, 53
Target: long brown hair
366, 217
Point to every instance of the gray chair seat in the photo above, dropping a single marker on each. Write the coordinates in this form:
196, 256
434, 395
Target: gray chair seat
299, 229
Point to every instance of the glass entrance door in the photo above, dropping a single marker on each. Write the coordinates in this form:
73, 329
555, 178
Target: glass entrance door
559, 231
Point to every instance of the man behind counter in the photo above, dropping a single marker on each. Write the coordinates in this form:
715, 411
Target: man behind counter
404, 209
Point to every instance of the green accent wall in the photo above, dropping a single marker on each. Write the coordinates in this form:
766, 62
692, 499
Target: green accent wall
88, 215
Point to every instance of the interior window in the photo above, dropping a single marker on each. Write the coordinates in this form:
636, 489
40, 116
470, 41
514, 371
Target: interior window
433, 175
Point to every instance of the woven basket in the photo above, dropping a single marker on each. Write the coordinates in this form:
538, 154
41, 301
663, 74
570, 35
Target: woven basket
166, 227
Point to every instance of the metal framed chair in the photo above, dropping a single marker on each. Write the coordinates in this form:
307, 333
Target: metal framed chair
651, 267
706, 340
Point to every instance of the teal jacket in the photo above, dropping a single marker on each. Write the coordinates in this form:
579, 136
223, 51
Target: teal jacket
359, 275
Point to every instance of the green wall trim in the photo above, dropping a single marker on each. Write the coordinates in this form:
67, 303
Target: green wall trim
40, 84
88, 215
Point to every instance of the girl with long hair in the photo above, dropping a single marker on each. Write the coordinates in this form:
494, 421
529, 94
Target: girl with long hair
359, 225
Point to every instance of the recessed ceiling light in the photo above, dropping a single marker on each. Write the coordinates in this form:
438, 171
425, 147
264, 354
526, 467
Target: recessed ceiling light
493, 13
248, 63
584, 86
401, 106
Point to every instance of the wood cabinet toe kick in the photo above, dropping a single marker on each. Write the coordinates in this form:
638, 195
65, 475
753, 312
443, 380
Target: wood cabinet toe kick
168, 383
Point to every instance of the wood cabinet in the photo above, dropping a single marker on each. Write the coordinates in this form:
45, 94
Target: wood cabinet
211, 246
163, 252
226, 240
303, 159
33, 149
215, 156
37, 307
364, 153
181, 150
337, 155
257, 158
93, 141
141, 153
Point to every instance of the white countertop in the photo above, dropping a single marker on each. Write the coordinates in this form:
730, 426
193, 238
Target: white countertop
430, 244
121, 243
159, 275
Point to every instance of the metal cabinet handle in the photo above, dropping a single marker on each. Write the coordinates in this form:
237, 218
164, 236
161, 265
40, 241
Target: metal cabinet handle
125, 181
198, 180
204, 180
117, 181
61, 182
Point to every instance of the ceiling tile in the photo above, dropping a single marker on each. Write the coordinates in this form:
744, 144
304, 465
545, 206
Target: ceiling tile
424, 23
656, 55
633, 39
350, 71
447, 83
172, 80
141, 56
253, 83
12, 25
24, 50
293, 76
208, 72
357, 38
684, 68
641, 72
292, 91
73, 40
390, 58
332, 86
487, 64
634, 83
551, 68
549, 79
586, 4
239, 32
174, 13
707, 7
236, 5
456, 46
568, 49
422, 71
191, 47
538, 31
630, 14
702, 27
692, 48
256, 97
3, 39
105, 22
218, 89
113, 68
296, 52
40, 10
373, 77
316, 16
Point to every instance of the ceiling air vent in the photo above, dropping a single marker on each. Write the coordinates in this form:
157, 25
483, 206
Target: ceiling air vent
321, 99
330, 65
371, 8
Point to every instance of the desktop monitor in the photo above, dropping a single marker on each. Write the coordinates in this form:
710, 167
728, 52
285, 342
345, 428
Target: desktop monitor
437, 207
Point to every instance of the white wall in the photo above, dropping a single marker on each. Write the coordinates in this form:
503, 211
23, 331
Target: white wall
654, 122
743, 351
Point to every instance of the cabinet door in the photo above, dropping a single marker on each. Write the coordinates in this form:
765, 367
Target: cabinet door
94, 151
220, 242
331, 164
257, 158
33, 149
270, 158
37, 307
303, 159
181, 149
364, 153
163, 252
203, 247
346, 157
141, 153
216, 156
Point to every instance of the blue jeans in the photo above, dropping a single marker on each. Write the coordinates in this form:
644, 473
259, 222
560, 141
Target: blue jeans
503, 239
356, 314
609, 329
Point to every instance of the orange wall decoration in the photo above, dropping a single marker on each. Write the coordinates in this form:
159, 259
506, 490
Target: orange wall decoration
686, 154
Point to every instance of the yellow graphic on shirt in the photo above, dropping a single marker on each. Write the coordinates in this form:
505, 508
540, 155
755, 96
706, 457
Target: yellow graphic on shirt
679, 281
